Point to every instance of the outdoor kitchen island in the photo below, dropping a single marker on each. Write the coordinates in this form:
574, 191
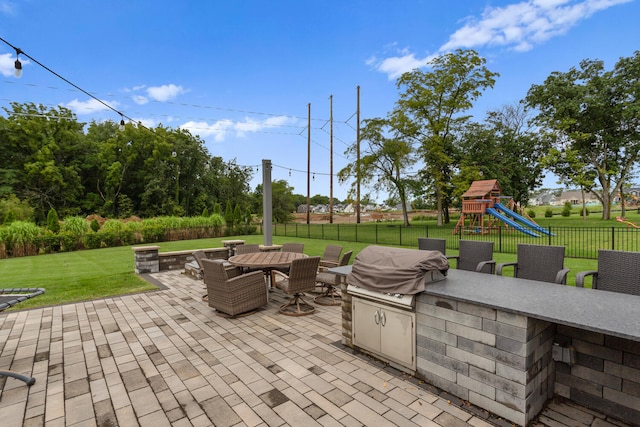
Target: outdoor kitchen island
508, 345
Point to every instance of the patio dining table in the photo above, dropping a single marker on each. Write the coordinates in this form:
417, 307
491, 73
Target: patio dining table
266, 261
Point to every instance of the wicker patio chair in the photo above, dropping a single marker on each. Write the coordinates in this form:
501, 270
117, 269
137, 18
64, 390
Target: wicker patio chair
293, 247
539, 262
245, 249
232, 296
475, 256
301, 278
290, 247
430, 244
330, 281
196, 264
8, 298
331, 256
618, 271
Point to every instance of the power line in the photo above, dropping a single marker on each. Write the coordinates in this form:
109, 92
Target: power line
21, 52
183, 104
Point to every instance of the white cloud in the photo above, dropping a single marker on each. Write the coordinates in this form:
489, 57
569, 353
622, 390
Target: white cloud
223, 128
6, 64
7, 7
139, 99
218, 129
89, 106
165, 92
519, 26
395, 66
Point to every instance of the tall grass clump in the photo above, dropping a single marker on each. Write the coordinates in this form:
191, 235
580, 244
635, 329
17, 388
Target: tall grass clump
20, 238
72, 231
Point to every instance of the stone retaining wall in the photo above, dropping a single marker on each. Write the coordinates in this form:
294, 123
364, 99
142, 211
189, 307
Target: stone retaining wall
147, 259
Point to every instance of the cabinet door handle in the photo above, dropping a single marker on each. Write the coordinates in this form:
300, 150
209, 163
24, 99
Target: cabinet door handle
376, 317
383, 318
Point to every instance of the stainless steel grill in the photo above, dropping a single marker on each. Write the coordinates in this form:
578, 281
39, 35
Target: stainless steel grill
398, 300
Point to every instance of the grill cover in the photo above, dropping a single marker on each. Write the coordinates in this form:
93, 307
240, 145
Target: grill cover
395, 270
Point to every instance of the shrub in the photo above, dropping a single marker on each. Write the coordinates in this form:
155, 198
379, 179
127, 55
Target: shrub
548, 213
20, 208
228, 216
531, 213
53, 223
566, 210
9, 218
217, 210
48, 243
205, 212
153, 232
95, 225
69, 242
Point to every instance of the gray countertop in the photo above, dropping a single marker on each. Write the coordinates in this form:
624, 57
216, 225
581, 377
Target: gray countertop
605, 312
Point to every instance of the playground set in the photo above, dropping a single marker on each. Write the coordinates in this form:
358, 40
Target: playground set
482, 209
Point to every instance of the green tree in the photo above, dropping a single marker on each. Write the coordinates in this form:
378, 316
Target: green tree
282, 198
594, 113
228, 216
386, 157
572, 171
53, 222
9, 218
44, 155
238, 217
502, 148
434, 103
20, 208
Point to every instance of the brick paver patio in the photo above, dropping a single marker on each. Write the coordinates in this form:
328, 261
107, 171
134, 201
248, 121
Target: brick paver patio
164, 358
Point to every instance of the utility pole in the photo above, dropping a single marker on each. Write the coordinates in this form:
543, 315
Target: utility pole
331, 160
308, 163
358, 159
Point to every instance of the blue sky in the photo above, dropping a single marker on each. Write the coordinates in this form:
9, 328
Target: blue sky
240, 74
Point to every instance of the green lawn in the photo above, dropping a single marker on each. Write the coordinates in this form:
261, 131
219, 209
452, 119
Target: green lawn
91, 274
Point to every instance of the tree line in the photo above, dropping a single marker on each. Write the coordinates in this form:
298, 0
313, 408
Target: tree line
50, 160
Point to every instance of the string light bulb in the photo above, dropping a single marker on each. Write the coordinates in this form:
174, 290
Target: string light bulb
17, 65
121, 127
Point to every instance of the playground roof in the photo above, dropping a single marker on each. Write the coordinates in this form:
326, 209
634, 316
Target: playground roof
482, 188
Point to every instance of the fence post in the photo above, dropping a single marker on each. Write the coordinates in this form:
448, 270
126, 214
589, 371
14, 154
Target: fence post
400, 236
549, 230
500, 237
322, 230
613, 238
356, 231
338, 231
376, 233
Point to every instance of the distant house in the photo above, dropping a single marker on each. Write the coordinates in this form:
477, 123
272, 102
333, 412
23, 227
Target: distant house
320, 209
543, 199
575, 198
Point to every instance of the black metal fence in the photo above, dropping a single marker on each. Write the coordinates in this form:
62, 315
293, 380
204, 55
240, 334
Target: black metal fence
580, 242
